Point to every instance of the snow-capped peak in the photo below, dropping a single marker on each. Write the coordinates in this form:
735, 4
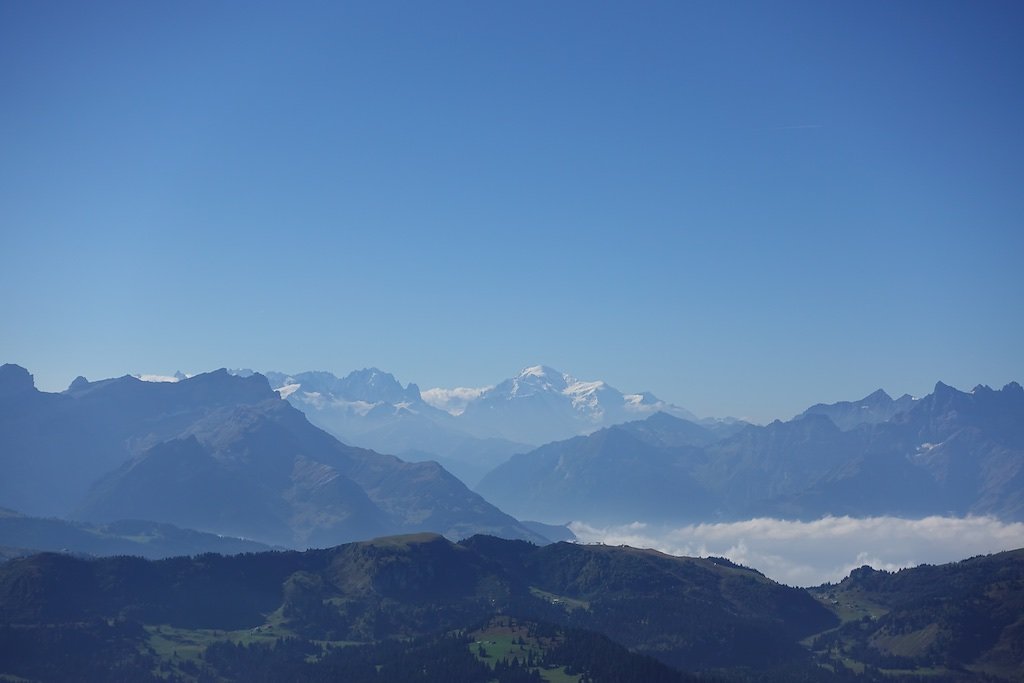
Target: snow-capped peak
535, 406
534, 379
540, 371
581, 392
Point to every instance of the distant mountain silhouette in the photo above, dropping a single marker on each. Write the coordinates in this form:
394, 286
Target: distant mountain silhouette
872, 409
219, 453
542, 404
951, 452
636, 471
371, 408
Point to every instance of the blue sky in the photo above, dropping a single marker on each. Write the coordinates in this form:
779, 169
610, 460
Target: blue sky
744, 208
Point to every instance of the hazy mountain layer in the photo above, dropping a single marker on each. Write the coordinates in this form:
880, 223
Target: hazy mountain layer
872, 409
542, 404
371, 408
949, 453
219, 453
152, 540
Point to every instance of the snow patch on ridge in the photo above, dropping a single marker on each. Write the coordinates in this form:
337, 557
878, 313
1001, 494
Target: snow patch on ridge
156, 378
536, 371
169, 379
288, 390
584, 397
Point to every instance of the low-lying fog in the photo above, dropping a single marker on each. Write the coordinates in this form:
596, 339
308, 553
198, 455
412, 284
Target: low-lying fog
812, 553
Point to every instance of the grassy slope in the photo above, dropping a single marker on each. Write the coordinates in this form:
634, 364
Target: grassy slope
949, 620
499, 639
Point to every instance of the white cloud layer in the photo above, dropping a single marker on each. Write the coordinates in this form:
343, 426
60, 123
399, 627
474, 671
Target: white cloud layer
454, 400
811, 553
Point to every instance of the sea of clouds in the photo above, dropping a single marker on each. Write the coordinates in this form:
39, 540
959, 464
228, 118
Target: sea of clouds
825, 550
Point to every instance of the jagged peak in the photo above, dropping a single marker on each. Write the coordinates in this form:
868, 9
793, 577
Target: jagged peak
879, 395
661, 417
371, 374
15, 379
375, 384
223, 377
373, 377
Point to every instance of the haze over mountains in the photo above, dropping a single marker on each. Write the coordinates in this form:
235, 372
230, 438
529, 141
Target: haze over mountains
219, 453
225, 462
222, 452
24, 535
949, 453
872, 409
469, 431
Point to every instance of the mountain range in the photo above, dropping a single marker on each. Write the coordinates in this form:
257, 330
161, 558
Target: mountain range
217, 453
949, 453
222, 452
469, 431
872, 409
227, 462
371, 409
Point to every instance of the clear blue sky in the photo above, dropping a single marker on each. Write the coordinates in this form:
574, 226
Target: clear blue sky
742, 207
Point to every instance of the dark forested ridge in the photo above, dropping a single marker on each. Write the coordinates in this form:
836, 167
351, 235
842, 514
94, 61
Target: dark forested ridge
965, 616
337, 613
